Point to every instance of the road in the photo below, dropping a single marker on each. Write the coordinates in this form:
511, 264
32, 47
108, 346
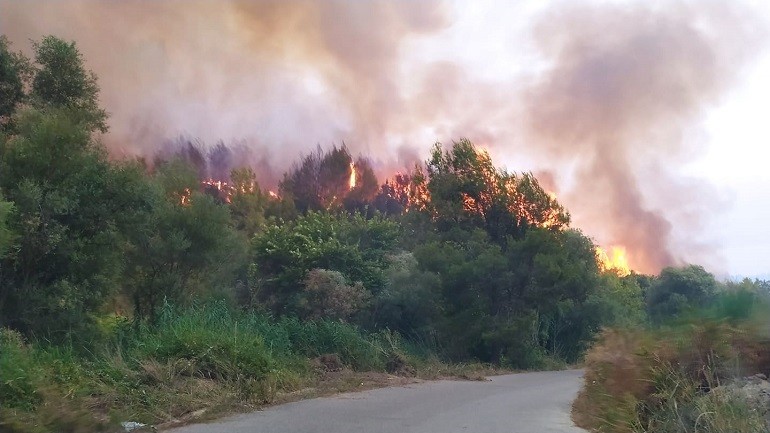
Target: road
516, 403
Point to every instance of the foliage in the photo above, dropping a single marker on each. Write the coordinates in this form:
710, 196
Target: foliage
15, 70
668, 379
326, 295
517, 304
466, 190
248, 203
320, 180
71, 206
411, 301
205, 357
284, 253
7, 237
62, 81
186, 244
679, 289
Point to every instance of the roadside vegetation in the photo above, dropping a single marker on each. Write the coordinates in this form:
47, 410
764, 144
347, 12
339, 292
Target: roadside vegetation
169, 290
699, 365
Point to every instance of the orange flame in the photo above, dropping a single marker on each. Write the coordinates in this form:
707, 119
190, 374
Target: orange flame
617, 263
273, 194
184, 197
352, 182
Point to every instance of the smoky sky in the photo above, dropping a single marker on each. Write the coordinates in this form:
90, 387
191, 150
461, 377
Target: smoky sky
624, 85
616, 88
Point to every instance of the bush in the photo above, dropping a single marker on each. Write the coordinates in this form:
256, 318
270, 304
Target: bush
661, 380
327, 296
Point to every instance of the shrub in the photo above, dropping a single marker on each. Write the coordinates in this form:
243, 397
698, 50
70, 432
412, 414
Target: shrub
327, 296
661, 380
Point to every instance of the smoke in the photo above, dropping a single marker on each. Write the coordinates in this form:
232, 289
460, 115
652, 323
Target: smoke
624, 84
281, 75
616, 88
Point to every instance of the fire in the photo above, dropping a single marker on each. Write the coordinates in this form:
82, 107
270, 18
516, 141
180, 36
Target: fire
184, 197
273, 194
617, 263
352, 182
222, 189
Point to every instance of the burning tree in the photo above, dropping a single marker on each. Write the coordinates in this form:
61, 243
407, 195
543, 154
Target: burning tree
464, 188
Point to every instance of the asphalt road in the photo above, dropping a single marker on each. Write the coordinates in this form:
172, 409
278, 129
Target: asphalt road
517, 403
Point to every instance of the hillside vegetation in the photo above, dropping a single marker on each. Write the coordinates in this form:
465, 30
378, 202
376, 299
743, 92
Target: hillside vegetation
156, 290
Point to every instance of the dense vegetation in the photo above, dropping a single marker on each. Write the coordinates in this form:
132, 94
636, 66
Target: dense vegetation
124, 282
700, 365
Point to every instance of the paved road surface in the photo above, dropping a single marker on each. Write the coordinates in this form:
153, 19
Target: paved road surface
516, 403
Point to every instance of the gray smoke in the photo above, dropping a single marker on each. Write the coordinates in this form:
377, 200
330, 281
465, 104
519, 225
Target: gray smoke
624, 83
618, 85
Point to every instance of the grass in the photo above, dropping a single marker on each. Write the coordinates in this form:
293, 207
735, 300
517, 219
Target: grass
669, 379
194, 364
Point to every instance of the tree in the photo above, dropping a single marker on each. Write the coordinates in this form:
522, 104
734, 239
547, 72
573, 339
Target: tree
15, 72
283, 254
321, 181
71, 209
678, 289
365, 187
411, 301
248, 203
62, 81
467, 190
186, 245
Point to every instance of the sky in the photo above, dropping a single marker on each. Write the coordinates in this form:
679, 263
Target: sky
646, 118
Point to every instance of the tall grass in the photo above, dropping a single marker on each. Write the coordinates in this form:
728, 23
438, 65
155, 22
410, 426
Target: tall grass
200, 357
670, 379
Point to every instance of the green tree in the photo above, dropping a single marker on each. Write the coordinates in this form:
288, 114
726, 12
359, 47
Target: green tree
678, 289
248, 203
62, 81
283, 254
71, 208
187, 244
466, 190
411, 301
15, 72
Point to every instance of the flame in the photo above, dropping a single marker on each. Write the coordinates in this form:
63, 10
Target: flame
224, 190
352, 182
617, 263
273, 194
184, 197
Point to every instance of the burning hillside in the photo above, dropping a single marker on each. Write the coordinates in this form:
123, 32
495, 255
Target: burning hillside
606, 116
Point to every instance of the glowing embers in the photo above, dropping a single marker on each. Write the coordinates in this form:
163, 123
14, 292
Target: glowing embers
617, 262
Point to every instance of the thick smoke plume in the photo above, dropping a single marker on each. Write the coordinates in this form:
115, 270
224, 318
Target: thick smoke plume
282, 75
624, 84
618, 87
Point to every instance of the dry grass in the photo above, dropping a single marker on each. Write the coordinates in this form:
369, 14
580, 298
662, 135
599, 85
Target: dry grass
659, 381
